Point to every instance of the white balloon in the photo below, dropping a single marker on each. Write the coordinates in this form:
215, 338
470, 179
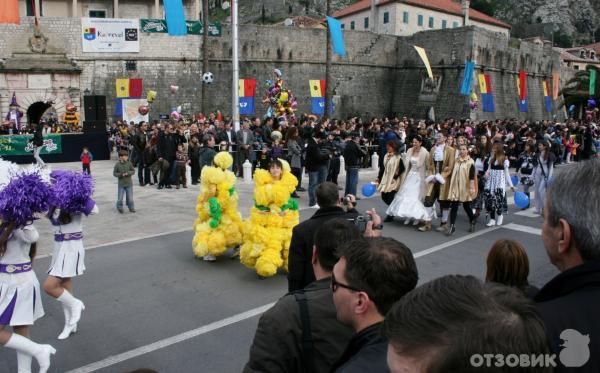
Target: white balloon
208, 77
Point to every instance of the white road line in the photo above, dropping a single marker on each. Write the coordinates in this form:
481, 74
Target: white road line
454, 242
523, 228
115, 359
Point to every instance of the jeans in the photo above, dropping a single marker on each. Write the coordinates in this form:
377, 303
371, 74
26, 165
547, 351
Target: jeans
351, 180
128, 191
314, 179
142, 172
86, 168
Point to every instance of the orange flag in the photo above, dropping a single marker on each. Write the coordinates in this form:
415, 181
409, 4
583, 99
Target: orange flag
9, 11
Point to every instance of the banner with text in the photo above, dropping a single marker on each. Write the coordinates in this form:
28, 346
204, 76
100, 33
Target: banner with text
20, 145
193, 27
110, 35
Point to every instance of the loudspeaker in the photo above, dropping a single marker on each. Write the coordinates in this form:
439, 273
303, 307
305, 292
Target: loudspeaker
95, 107
94, 126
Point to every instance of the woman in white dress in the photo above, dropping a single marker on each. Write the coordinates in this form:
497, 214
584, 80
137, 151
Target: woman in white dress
497, 177
408, 202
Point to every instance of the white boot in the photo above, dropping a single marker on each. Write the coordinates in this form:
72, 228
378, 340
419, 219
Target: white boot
491, 223
69, 328
74, 304
23, 362
40, 352
499, 220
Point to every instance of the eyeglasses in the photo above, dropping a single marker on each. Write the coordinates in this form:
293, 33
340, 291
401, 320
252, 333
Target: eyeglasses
335, 285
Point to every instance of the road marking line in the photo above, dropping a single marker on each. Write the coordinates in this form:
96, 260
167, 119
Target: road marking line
456, 241
115, 359
523, 228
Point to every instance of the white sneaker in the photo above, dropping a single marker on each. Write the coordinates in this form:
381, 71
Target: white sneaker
209, 258
491, 223
499, 220
315, 206
407, 222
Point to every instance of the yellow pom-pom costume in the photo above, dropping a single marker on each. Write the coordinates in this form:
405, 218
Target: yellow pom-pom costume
268, 231
219, 224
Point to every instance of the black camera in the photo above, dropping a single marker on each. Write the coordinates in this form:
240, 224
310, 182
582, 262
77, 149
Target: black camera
346, 200
361, 222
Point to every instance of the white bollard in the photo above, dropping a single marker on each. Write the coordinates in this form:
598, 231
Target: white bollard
247, 171
375, 161
342, 164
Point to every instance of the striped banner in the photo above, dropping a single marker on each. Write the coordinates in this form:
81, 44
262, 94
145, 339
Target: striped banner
487, 97
547, 97
465, 88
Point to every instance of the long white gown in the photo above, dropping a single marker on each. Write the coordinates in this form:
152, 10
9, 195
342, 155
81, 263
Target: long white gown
408, 203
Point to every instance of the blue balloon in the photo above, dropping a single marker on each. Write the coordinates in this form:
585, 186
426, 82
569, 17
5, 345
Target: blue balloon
515, 180
368, 190
591, 103
521, 200
571, 108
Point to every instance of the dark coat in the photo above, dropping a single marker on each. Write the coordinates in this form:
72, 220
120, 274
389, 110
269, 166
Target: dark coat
277, 345
139, 141
366, 352
38, 137
166, 146
571, 300
300, 271
206, 156
315, 158
353, 155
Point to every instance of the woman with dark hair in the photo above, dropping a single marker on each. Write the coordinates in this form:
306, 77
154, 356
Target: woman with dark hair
497, 176
543, 173
408, 202
507, 264
525, 167
294, 155
463, 188
481, 164
389, 176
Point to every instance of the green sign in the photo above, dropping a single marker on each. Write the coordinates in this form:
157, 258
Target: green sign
21, 145
193, 27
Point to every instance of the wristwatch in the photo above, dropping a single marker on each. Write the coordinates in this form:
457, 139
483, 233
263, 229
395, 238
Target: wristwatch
378, 227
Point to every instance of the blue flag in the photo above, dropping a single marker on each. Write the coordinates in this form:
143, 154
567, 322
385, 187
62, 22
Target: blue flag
337, 38
175, 17
487, 100
246, 105
548, 102
318, 106
523, 105
465, 88
119, 108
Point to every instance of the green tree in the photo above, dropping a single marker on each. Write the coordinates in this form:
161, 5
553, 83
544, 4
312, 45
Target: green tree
484, 6
576, 90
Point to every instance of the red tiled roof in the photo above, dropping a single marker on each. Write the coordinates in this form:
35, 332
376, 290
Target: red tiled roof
445, 6
595, 47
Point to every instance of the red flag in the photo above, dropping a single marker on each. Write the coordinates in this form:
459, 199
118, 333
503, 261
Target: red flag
249, 87
9, 11
135, 88
523, 84
488, 83
323, 92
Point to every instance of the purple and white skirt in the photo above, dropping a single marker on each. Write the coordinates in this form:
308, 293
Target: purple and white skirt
67, 259
20, 299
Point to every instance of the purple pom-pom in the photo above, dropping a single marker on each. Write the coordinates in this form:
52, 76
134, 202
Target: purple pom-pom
89, 206
23, 198
71, 191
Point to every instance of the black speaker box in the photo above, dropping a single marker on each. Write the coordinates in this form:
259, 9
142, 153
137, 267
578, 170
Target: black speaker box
95, 108
94, 126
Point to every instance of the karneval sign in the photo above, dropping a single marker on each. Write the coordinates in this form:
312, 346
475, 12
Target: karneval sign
193, 27
21, 145
110, 35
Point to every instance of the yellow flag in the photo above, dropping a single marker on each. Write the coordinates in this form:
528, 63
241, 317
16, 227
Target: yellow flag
122, 87
315, 88
423, 56
241, 88
482, 83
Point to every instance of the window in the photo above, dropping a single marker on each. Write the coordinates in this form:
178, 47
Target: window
455, 24
405, 17
352, 25
420, 20
430, 22
97, 13
131, 65
343, 25
29, 7
386, 17
366, 23
444, 23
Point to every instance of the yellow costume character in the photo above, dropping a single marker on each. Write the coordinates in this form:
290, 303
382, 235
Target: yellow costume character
219, 224
268, 231
71, 118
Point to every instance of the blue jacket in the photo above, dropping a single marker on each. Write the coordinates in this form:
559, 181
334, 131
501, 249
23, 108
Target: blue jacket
89, 153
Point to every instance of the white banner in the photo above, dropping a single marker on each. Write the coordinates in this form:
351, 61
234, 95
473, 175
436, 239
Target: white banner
131, 110
110, 35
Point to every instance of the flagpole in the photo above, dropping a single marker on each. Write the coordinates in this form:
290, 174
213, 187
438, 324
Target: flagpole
327, 65
235, 107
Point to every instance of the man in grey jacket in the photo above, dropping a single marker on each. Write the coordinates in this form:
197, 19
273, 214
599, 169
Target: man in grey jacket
300, 332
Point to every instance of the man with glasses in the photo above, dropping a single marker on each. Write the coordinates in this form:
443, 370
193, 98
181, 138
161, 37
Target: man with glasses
371, 275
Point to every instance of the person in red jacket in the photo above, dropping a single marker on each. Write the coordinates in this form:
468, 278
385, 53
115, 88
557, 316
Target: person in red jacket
86, 160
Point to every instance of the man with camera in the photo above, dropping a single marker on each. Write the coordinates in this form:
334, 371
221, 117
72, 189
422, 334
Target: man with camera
300, 271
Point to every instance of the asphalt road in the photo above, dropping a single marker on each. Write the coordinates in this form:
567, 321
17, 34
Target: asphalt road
149, 303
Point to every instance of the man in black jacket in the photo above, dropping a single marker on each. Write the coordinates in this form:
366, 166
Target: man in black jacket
139, 144
352, 160
570, 303
371, 275
166, 147
300, 270
316, 164
300, 332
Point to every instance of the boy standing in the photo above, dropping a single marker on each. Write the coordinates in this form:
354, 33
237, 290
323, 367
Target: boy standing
86, 160
123, 171
180, 163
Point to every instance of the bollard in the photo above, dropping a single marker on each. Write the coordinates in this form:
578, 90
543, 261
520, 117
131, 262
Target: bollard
342, 163
247, 171
375, 161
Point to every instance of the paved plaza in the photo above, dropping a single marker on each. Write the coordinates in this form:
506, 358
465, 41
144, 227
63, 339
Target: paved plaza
150, 303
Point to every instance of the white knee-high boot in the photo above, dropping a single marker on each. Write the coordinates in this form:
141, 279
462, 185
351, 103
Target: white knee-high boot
23, 362
68, 328
75, 306
40, 352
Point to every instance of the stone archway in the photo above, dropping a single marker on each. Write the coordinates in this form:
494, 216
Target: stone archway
56, 100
